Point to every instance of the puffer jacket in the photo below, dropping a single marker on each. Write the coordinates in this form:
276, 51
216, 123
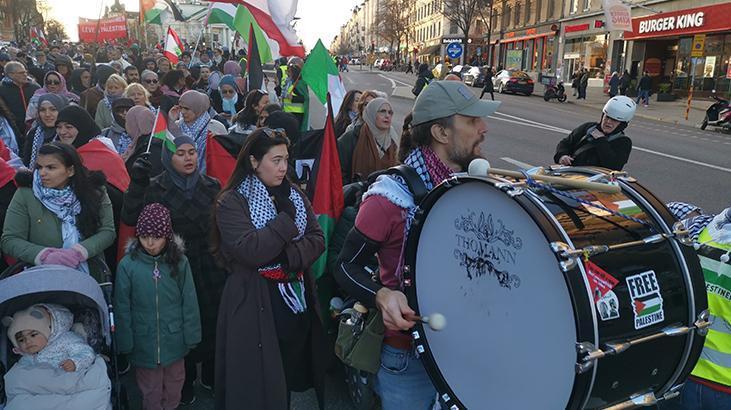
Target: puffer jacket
158, 321
63, 344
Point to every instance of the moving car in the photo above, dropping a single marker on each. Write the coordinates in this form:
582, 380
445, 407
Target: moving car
514, 81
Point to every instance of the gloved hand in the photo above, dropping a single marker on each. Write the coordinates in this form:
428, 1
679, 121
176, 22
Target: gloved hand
282, 201
66, 257
286, 206
141, 169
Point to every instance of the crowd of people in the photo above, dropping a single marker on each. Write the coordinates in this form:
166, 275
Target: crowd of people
211, 262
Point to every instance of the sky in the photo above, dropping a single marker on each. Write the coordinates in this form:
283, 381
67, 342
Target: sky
318, 18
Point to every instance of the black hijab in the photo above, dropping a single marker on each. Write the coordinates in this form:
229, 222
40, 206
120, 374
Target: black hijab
76, 86
79, 118
186, 183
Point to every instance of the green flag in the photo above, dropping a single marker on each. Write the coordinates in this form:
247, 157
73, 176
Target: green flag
242, 20
322, 75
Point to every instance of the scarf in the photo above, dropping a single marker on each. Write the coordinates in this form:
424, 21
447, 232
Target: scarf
383, 138
198, 131
39, 138
229, 104
63, 91
109, 99
7, 135
261, 207
186, 183
64, 204
124, 142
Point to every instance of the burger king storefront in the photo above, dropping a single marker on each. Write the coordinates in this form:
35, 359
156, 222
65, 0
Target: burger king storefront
683, 48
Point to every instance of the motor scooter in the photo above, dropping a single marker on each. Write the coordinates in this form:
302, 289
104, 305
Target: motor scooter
718, 114
555, 91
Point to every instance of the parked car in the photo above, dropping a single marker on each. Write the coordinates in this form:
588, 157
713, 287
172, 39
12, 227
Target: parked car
386, 65
355, 61
514, 81
378, 63
472, 77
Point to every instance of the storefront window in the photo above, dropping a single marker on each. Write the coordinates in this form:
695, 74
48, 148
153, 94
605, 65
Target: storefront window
548, 53
537, 54
528, 60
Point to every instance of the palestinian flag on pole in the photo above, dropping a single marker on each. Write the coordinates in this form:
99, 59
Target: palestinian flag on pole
151, 11
323, 77
173, 46
326, 189
647, 305
160, 131
254, 71
245, 24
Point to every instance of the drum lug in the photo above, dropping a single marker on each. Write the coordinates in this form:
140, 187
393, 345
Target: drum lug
588, 354
681, 234
509, 189
703, 323
562, 250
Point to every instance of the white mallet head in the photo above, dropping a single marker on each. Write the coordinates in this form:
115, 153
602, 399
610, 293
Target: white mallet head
479, 167
436, 321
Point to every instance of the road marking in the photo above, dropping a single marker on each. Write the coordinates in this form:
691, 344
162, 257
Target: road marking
517, 163
649, 151
543, 126
393, 81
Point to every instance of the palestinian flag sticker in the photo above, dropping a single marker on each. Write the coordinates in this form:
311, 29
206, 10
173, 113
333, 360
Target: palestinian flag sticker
644, 291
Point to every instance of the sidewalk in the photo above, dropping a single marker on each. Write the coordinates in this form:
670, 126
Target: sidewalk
672, 112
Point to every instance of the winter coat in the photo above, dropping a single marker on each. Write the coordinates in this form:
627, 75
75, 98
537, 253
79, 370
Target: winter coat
90, 99
584, 81
26, 151
610, 152
17, 99
155, 155
346, 147
614, 85
424, 79
103, 116
30, 227
192, 221
217, 102
63, 344
249, 366
624, 82
645, 83
157, 321
113, 132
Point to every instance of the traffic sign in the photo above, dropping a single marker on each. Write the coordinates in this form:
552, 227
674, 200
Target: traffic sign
699, 42
454, 50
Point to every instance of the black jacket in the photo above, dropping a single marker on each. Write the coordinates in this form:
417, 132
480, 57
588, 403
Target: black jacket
346, 146
17, 101
609, 152
645, 83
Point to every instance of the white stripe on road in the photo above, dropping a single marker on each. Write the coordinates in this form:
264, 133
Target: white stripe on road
517, 163
393, 80
534, 124
393, 83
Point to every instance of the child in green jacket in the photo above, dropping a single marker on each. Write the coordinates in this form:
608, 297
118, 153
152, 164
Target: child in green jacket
158, 320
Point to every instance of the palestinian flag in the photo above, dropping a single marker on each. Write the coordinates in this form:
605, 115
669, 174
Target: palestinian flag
244, 24
254, 71
151, 11
323, 77
647, 305
628, 207
221, 154
97, 156
173, 46
160, 131
326, 192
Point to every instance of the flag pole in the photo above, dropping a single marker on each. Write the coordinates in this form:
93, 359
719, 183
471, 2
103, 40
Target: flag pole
190, 64
154, 125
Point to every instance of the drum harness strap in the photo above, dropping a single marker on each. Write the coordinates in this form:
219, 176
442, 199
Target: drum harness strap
535, 184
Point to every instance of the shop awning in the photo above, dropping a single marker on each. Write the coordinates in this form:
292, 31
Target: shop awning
431, 50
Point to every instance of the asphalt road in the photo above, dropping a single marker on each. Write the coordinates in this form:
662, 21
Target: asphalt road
674, 162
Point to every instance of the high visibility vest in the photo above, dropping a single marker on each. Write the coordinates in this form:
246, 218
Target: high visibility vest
715, 361
283, 80
288, 103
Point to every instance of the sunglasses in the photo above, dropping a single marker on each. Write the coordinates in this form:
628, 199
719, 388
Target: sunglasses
274, 132
52, 82
153, 81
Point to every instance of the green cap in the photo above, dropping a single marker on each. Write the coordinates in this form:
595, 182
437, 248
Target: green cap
445, 98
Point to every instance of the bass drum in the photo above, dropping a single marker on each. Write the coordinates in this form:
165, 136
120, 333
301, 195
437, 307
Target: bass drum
527, 326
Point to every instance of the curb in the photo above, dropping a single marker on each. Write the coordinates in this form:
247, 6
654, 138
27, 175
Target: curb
403, 92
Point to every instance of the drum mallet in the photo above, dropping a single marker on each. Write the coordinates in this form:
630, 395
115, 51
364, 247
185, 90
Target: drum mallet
481, 167
436, 321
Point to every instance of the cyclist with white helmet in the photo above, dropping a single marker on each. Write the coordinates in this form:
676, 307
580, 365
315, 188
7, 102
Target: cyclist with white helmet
602, 143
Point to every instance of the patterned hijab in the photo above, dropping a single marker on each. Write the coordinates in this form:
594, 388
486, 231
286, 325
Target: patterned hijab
63, 91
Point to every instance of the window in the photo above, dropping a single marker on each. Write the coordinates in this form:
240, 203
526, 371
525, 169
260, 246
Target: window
453, 28
574, 6
439, 28
551, 7
587, 5
528, 5
539, 6
506, 15
516, 15
538, 54
548, 53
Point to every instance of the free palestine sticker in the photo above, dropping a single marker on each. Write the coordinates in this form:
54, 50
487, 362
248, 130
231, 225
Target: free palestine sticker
644, 292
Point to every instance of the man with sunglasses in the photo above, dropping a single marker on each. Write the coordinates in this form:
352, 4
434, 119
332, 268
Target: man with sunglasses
16, 90
603, 143
445, 133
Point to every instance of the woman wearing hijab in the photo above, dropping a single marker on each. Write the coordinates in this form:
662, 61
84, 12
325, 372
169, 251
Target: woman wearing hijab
373, 148
364, 99
53, 83
192, 118
270, 336
113, 90
233, 68
80, 80
151, 83
117, 132
190, 197
139, 123
60, 214
49, 106
227, 100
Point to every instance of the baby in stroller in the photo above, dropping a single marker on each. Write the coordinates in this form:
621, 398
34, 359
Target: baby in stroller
42, 335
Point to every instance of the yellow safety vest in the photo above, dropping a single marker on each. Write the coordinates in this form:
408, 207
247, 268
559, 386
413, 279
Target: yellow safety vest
289, 106
283, 81
715, 361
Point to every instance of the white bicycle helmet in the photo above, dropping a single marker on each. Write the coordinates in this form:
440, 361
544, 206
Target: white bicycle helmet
620, 108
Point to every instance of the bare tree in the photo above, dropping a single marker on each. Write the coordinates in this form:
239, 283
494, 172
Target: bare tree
464, 13
55, 30
26, 15
392, 23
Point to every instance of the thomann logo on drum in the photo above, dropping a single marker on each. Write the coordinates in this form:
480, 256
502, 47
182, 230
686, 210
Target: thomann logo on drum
644, 291
485, 243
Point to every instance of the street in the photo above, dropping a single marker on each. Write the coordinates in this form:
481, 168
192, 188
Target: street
675, 162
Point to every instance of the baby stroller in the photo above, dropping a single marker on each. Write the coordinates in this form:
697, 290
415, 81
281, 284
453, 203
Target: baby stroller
90, 302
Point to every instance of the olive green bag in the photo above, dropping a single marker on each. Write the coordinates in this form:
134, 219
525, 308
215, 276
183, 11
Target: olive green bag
359, 345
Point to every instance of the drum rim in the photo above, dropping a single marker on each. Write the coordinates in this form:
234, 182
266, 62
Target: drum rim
418, 333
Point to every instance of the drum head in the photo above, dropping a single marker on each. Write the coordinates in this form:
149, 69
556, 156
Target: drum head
483, 262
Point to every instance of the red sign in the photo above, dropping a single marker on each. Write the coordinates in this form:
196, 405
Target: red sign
689, 21
600, 281
531, 31
91, 31
578, 27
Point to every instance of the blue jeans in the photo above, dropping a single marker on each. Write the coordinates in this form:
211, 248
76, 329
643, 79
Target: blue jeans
695, 396
402, 382
644, 95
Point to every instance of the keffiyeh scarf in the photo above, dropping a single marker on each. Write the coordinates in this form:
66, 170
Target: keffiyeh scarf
261, 207
38, 139
124, 142
198, 131
8, 136
64, 204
